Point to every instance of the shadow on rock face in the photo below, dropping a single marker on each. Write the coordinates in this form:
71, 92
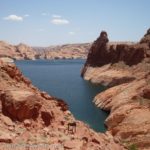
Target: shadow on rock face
20, 105
102, 53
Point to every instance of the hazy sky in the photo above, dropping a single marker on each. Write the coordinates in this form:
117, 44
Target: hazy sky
50, 22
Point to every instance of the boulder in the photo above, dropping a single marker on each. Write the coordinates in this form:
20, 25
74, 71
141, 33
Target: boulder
63, 106
5, 137
146, 93
7, 120
74, 144
46, 117
20, 104
27, 123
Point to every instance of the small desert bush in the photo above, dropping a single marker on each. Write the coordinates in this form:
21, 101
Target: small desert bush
132, 147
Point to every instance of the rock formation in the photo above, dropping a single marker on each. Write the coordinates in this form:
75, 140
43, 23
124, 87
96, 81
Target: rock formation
17, 52
125, 71
20, 104
24, 52
31, 119
99, 50
68, 51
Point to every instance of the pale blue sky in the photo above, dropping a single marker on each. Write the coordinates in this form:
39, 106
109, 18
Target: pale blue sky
51, 22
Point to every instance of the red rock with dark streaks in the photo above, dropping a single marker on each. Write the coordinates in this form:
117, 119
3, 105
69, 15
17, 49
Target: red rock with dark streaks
128, 101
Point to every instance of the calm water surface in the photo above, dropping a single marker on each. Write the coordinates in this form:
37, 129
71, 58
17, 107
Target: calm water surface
61, 78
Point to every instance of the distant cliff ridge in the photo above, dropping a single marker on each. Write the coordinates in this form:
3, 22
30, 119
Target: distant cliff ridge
125, 70
67, 51
24, 52
17, 52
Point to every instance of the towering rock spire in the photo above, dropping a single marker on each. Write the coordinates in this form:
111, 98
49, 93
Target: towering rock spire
98, 49
102, 53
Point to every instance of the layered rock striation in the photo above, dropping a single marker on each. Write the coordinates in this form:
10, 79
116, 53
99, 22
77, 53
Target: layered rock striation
125, 71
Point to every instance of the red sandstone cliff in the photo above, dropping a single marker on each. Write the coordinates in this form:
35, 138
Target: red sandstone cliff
31, 119
125, 70
25, 52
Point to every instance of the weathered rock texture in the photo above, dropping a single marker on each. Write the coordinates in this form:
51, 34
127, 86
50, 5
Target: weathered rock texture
125, 70
31, 119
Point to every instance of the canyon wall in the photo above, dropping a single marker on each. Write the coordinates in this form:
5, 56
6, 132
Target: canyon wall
32, 119
17, 52
24, 52
68, 51
125, 71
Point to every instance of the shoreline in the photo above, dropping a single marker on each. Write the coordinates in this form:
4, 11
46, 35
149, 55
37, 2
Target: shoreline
80, 117
49, 120
125, 70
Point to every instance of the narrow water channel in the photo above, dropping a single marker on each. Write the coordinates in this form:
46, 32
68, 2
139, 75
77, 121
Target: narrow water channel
61, 78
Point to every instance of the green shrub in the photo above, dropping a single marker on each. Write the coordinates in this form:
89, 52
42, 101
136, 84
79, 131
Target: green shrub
132, 147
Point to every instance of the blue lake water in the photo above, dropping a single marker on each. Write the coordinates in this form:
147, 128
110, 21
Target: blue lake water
61, 78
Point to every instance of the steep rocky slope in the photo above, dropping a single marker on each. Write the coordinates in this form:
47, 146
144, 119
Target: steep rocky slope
125, 70
31, 119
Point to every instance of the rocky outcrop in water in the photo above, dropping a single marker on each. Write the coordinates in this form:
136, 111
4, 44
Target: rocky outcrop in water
32, 119
125, 70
